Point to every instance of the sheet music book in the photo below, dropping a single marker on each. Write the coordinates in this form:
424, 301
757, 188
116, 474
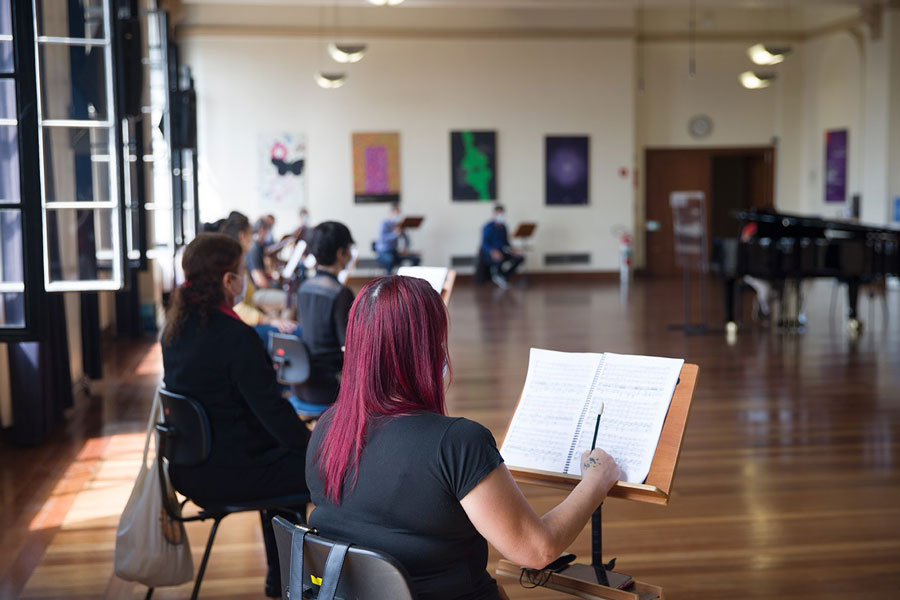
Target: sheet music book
554, 421
344, 275
436, 276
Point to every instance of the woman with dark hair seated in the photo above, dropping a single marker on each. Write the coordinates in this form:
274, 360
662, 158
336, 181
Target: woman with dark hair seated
387, 469
210, 355
323, 304
237, 227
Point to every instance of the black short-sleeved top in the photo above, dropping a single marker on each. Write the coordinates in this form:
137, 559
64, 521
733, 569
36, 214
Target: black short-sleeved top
324, 308
413, 472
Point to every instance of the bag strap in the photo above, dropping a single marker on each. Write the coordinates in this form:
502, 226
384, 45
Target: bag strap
333, 565
298, 539
155, 413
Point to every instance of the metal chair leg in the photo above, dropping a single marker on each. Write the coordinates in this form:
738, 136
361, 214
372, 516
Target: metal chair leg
202, 570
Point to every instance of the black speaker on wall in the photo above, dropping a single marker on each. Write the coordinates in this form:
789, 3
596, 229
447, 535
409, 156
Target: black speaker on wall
183, 112
130, 53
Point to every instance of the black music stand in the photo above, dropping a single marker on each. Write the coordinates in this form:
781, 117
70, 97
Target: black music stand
689, 233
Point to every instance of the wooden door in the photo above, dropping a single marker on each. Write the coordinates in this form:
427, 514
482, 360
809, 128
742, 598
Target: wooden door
669, 171
742, 177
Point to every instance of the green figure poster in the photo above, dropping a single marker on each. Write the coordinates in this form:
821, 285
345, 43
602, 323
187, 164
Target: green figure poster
473, 158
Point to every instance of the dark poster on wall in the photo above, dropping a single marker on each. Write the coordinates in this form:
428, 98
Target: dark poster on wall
836, 165
566, 170
473, 165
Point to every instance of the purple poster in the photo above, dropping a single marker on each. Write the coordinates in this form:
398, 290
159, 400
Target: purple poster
836, 165
566, 170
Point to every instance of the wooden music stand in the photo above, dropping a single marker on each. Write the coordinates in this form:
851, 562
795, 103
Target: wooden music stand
524, 230
655, 490
411, 222
448, 287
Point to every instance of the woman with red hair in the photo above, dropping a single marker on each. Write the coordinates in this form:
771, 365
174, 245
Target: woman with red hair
388, 469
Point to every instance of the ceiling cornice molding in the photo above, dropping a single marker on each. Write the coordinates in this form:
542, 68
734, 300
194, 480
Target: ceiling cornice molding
850, 25
369, 33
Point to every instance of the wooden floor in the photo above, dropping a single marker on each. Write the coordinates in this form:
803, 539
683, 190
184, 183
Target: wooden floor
788, 485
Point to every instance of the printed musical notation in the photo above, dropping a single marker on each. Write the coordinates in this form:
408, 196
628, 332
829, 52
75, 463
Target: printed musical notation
560, 401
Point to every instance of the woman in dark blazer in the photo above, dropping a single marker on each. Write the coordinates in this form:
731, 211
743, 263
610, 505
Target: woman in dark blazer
209, 354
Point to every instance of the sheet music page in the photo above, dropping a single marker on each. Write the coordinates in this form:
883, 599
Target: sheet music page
345, 274
554, 401
294, 261
436, 276
636, 392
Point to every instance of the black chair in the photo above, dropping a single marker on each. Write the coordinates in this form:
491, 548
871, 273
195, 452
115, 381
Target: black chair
293, 365
326, 569
184, 439
291, 358
482, 267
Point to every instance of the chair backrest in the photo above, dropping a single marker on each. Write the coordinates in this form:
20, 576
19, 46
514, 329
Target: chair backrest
291, 356
185, 437
365, 574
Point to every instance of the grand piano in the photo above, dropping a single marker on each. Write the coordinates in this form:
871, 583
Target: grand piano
785, 249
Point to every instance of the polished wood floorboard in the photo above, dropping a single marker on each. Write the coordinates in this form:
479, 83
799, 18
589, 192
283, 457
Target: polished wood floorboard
788, 485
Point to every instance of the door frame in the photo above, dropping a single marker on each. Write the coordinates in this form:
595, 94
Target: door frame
767, 152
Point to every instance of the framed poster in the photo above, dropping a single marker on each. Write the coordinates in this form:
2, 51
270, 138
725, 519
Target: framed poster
282, 170
473, 166
376, 167
836, 165
566, 170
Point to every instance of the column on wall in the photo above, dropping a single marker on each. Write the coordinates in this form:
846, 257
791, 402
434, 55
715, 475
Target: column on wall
881, 150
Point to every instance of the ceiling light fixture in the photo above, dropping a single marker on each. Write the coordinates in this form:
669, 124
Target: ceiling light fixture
330, 81
761, 54
385, 2
346, 53
756, 81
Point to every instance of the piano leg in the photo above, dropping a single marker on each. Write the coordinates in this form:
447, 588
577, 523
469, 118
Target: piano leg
731, 327
852, 296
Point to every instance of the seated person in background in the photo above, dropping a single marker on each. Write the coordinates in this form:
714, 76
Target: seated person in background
258, 443
496, 250
305, 230
269, 221
392, 245
267, 295
324, 304
237, 227
388, 469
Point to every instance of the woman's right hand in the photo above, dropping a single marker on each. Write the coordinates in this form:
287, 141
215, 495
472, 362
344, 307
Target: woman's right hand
599, 470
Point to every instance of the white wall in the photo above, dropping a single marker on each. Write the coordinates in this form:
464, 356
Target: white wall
423, 89
740, 117
832, 99
819, 87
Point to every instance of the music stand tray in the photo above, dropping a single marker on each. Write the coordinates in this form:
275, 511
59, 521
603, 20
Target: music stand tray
525, 230
411, 222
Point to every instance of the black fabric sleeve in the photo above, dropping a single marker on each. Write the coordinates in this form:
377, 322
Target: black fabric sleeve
341, 314
252, 372
468, 454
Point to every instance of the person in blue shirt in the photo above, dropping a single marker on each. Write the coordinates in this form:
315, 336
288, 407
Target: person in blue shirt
392, 245
496, 250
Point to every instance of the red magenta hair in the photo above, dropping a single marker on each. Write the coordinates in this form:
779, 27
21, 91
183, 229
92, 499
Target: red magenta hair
396, 349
